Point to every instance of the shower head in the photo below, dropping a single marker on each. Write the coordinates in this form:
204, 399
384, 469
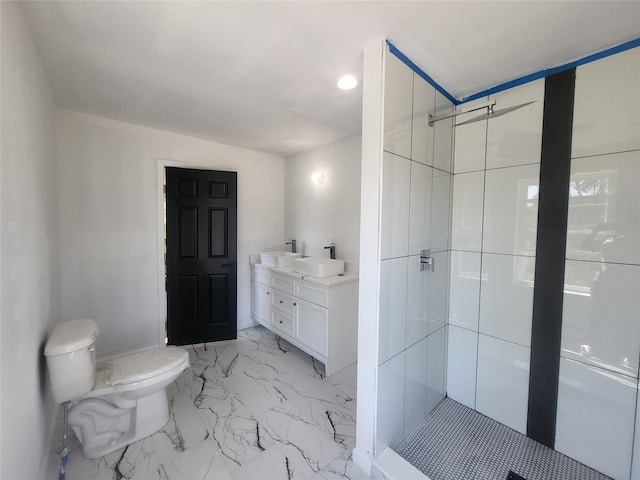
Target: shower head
491, 113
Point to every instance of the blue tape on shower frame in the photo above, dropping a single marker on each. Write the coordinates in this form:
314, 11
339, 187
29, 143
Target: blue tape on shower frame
404, 59
518, 81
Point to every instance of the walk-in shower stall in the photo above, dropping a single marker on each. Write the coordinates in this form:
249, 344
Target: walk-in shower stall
502, 246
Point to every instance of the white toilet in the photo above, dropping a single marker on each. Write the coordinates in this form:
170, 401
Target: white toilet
119, 404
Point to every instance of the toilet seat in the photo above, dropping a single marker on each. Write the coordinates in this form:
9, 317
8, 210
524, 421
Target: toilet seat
137, 370
144, 365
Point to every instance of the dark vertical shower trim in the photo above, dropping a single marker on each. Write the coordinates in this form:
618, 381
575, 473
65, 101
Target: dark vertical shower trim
553, 203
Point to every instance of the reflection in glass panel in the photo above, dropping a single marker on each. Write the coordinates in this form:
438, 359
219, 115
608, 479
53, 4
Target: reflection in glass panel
589, 213
604, 209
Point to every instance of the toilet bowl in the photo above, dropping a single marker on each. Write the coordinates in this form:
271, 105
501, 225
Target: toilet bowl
118, 404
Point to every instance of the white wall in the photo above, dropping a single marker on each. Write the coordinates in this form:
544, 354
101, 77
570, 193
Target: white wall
369, 285
320, 213
29, 237
109, 201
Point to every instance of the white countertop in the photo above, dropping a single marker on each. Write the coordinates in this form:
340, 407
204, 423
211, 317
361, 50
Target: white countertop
326, 281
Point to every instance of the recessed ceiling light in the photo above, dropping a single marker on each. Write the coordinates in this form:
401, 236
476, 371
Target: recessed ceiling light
347, 82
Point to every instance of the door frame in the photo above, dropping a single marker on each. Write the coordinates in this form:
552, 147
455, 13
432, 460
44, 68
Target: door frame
162, 293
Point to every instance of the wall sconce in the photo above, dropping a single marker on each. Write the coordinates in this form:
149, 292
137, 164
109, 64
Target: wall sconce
318, 178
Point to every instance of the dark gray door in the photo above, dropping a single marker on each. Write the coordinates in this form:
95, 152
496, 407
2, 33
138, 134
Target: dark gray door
201, 255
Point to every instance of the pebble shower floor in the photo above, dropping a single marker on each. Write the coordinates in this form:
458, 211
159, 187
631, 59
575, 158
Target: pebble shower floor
458, 443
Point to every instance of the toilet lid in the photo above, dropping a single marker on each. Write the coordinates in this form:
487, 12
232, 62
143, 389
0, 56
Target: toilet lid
144, 365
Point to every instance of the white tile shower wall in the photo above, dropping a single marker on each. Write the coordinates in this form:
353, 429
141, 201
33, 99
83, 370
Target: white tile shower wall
398, 106
390, 411
424, 103
462, 357
467, 211
438, 291
415, 216
606, 116
603, 222
443, 136
464, 290
436, 368
600, 339
418, 321
470, 141
415, 385
440, 210
506, 297
635, 466
396, 183
516, 137
503, 381
511, 210
596, 410
420, 208
393, 308
493, 241
604, 226
600, 316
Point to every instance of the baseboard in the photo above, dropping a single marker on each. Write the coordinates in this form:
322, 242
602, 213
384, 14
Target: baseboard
391, 466
362, 460
245, 324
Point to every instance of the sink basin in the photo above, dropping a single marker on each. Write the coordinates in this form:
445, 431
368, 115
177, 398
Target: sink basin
318, 266
278, 259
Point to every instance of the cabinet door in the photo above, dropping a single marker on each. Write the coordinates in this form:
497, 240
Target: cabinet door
311, 325
261, 303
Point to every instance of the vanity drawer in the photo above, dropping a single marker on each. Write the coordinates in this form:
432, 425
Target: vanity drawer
283, 302
262, 276
282, 283
282, 322
313, 293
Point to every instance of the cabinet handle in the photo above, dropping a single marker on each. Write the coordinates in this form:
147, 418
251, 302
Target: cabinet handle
294, 304
268, 293
280, 321
281, 301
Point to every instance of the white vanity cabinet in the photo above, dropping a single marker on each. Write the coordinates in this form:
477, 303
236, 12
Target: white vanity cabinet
318, 315
261, 296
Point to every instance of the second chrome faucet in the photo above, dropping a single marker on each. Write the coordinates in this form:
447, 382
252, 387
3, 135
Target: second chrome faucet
332, 250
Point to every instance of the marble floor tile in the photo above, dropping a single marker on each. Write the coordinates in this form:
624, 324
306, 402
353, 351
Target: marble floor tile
251, 408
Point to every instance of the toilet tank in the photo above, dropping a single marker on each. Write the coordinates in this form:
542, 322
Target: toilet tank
71, 361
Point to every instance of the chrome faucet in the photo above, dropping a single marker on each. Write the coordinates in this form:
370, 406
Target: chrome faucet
294, 249
332, 250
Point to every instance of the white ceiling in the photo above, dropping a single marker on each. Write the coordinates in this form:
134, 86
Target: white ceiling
262, 75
